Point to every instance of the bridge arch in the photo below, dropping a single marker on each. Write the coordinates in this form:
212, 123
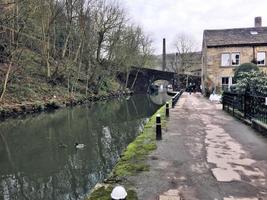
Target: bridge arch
139, 79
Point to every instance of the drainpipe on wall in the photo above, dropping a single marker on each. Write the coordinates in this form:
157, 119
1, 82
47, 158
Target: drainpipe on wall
254, 55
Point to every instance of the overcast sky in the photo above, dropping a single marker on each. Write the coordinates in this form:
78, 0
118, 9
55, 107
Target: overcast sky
167, 18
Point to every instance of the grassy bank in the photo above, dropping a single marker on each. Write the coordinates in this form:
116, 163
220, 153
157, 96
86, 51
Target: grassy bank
29, 90
53, 103
133, 161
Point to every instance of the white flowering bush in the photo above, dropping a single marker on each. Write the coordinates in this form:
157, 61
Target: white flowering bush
254, 82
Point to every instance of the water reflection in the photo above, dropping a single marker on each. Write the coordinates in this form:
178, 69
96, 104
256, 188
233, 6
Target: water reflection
34, 166
159, 97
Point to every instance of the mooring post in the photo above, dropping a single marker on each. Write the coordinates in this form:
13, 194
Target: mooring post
167, 109
118, 193
158, 127
173, 102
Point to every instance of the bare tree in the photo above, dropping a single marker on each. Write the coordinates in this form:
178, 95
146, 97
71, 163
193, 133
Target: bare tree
185, 45
108, 18
68, 42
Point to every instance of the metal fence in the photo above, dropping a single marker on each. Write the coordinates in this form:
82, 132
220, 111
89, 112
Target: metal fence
176, 97
247, 105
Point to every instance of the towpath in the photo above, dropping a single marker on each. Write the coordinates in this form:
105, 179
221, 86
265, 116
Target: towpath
205, 154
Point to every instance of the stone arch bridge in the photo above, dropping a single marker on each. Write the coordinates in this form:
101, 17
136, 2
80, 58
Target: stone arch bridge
140, 79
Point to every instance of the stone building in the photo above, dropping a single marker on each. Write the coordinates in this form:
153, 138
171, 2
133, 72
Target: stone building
224, 50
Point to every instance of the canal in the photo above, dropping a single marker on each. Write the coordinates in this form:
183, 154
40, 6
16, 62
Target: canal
38, 158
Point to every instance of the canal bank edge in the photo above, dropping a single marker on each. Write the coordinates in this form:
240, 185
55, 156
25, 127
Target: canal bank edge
55, 103
132, 161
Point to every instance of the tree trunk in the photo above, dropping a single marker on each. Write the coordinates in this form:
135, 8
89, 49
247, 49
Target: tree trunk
5, 82
100, 40
87, 81
65, 45
135, 78
127, 78
78, 51
48, 58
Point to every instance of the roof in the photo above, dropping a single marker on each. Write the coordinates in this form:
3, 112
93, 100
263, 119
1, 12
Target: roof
236, 37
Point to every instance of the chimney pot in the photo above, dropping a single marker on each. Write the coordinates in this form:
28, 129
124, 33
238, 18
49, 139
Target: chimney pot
258, 22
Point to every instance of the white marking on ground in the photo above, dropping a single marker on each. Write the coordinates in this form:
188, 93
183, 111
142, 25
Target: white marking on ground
170, 195
234, 198
227, 154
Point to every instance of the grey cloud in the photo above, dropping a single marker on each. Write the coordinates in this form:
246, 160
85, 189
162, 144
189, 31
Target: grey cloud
167, 18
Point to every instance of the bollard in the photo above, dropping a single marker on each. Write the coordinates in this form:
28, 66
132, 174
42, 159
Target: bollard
158, 127
167, 110
118, 193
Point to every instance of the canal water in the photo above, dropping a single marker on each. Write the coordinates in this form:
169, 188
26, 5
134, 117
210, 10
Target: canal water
38, 158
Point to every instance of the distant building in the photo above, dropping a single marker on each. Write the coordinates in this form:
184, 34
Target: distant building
224, 50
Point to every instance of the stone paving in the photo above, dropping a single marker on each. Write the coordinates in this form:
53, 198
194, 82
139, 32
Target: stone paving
205, 154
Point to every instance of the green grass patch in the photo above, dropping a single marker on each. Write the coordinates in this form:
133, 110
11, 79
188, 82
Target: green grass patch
133, 160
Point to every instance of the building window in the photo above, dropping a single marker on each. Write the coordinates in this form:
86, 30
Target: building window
225, 60
235, 59
225, 83
230, 59
261, 58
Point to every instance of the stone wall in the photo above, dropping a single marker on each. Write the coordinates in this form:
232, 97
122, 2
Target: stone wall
212, 69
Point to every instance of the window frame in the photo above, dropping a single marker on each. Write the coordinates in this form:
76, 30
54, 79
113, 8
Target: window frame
230, 59
264, 58
227, 78
225, 86
235, 53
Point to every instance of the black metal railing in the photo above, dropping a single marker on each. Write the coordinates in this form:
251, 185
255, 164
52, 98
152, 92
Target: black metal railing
176, 97
248, 105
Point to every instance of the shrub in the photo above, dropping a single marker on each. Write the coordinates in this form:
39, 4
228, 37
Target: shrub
254, 82
246, 67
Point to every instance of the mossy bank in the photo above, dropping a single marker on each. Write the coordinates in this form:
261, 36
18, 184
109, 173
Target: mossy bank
132, 161
53, 103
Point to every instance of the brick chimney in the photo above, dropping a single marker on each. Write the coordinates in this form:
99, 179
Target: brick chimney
164, 55
258, 22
